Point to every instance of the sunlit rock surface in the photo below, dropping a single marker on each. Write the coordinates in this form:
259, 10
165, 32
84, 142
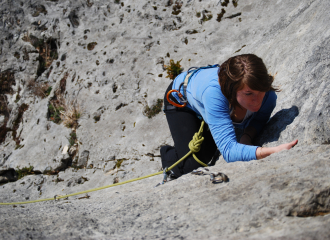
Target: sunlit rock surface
106, 58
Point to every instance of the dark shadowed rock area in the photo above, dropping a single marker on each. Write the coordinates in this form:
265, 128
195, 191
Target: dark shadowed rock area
80, 83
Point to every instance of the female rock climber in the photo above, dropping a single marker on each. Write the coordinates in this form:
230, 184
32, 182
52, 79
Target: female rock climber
238, 94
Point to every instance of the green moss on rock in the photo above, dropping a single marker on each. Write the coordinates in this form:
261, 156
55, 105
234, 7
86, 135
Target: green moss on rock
153, 110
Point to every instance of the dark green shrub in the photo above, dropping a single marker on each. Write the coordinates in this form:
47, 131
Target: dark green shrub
55, 113
47, 92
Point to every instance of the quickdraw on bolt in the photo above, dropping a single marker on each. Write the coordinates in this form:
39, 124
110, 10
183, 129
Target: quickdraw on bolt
214, 177
218, 177
167, 174
200, 171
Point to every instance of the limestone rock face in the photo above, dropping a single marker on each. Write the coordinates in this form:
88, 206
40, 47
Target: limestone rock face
2, 120
83, 159
76, 80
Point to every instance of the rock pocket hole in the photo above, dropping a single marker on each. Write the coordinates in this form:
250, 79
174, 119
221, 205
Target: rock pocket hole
47, 49
120, 106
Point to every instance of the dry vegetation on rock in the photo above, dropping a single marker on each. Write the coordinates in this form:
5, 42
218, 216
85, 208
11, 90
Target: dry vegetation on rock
173, 69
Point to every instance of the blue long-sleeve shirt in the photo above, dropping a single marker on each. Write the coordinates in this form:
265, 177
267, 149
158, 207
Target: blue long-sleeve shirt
206, 99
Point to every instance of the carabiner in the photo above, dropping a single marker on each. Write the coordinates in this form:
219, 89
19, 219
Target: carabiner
173, 103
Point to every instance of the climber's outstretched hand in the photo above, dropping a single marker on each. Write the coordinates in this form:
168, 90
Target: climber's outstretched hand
263, 152
287, 146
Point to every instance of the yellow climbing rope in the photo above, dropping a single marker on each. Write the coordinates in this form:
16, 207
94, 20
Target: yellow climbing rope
194, 146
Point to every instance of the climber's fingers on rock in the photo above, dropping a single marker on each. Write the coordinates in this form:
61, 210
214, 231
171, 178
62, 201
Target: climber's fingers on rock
292, 144
287, 146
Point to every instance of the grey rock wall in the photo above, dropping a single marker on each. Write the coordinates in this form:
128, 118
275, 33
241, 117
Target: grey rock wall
107, 59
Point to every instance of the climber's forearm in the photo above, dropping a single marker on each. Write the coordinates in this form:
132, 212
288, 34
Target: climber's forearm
263, 152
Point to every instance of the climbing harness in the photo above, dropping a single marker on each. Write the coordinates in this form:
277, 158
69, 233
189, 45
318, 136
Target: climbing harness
183, 97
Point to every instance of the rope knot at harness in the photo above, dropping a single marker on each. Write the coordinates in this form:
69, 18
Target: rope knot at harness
196, 142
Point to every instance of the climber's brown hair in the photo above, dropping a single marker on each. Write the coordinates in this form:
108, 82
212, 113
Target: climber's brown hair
244, 69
